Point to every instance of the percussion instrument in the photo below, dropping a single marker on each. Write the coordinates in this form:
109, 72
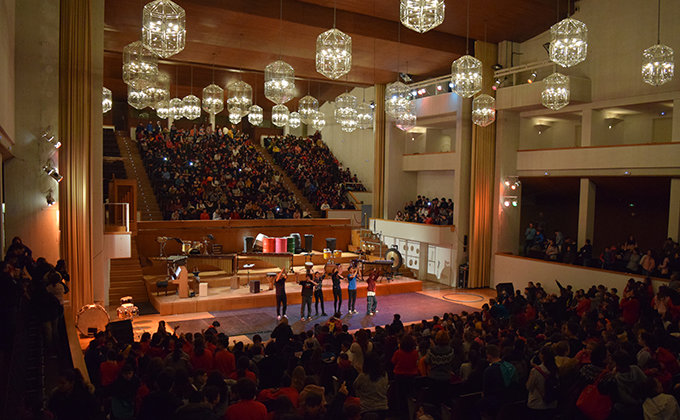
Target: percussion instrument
186, 247
327, 254
127, 311
291, 244
270, 278
268, 245
395, 256
91, 319
259, 240
126, 299
309, 265
281, 245
329, 268
337, 253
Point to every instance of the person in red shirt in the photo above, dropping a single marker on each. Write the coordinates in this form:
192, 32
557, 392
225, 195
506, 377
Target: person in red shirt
630, 306
247, 408
242, 370
201, 358
225, 361
109, 369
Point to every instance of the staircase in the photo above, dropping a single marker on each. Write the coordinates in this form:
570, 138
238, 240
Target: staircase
289, 183
126, 278
147, 204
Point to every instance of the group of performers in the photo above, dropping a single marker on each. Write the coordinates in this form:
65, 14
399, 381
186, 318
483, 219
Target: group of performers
312, 287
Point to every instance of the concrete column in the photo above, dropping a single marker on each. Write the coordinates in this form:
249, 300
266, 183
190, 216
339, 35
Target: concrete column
674, 209
586, 128
676, 125
212, 120
586, 211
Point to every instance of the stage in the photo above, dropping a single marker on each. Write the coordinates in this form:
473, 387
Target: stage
228, 291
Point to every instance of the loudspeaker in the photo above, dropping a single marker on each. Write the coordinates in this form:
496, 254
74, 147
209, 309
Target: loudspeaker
309, 241
507, 289
330, 243
122, 331
255, 286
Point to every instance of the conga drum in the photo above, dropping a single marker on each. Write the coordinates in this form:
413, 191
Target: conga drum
268, 245
291, 244
91, 319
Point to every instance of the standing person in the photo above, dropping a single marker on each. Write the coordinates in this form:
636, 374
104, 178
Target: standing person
542, 400
318, 294
352, 290
371, 301
307, 291
337, 291
280, 284
529, 236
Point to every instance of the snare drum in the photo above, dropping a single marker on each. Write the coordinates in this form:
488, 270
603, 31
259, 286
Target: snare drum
326, 254
91, 319
186, 247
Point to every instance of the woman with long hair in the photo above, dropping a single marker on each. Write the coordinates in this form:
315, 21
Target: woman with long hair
371, 386
201, 358
405, 361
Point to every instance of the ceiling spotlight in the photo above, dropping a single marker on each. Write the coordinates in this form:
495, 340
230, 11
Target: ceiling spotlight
497, 67
439, 87
509, 201
405, 77
50, 200
52, 171
372, 104
50, 139
533, 76
498, 81
512, 182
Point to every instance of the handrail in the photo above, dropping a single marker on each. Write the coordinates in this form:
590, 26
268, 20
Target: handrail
357, 203
600, 146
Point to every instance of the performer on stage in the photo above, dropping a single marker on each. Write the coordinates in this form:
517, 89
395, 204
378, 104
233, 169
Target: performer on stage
318, 294
307, 291
280, 284
352, 290
337, 291
371, 299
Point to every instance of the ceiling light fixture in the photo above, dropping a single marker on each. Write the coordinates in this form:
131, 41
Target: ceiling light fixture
466, 72
657, 61
568, 41
421, 15
484, 106
164, 28
556, 93
107, 100
333, 52
280, 114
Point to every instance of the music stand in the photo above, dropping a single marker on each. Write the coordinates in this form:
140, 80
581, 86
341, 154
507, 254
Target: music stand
248, 267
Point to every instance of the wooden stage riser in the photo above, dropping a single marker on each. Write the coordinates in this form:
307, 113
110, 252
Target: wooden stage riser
268, 299
230, 233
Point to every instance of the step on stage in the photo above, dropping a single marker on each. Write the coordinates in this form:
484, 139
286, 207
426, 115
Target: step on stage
232, 291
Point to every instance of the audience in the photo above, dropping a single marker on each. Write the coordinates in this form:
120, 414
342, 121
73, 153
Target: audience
315, 170
424, 210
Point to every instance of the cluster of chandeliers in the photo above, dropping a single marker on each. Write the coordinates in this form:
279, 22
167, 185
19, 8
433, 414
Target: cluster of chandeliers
400, 106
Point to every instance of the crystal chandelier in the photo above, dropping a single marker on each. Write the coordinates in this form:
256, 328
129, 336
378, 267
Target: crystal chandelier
406, 121
397, 99
280, 115
307, 106
345, 107
657, 65
158, 91
191, 107
140, 66
466, 76
239, 98
421, 15
364, 116
163, 109
349, 125
256, 115
234, 119
279, 82
568, 42
483, 110
213, 99
175, 109
657, 61
294, 120
556, 92
164, 28
107, 100
318, 121
137, 98
333, 53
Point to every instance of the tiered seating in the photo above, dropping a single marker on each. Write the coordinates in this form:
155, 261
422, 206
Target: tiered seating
112, 168
317, 172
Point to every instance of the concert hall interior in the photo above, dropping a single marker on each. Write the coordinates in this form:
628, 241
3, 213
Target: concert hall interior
243, 159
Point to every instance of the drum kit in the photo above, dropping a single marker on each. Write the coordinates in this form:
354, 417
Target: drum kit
127, 308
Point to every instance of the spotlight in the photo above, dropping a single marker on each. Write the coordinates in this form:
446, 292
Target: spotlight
165, 159
439, 87
498, 81
512, 182
663, 113
414, 93
50, 139
510, 201
405, 77
497, 67
50, 200
533, 76
52, 171
372, 105
450, 85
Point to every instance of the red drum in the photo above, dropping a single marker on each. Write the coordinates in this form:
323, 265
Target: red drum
268, 245
281, 245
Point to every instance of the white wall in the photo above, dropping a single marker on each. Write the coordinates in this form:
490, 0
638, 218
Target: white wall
436, 184
519, 271
618, 32
354, 150
36, 107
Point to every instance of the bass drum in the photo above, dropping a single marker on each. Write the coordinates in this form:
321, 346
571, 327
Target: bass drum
395, 256
91, 319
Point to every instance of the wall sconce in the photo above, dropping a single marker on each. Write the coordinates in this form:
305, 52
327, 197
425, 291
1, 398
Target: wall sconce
510, 201
52, 171
541, 127
49, 198
49, 138
512, 182
612, 121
